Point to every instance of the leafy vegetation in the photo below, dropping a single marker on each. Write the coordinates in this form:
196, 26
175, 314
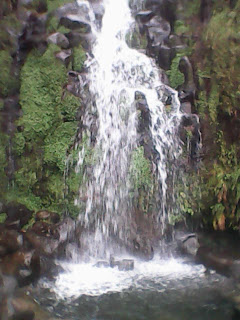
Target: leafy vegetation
140, 170
48, 127
176, 78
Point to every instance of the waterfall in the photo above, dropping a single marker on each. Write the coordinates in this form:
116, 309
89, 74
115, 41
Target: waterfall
116, 73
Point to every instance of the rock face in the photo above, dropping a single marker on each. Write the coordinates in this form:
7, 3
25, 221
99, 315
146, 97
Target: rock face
188, 244
17, 215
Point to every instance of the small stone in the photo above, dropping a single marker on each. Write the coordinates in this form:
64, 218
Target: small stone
64, 56
126, 265
59, 39
102, 264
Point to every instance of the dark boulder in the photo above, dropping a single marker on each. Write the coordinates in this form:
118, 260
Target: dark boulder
52, 240
188, 89
75, 22
126, 265
102, 264
10, 241
76, 38
164, 8
33, 35
188, 244
48, 216
142, 248
45, 246
190, 129
41, 228
23, 265
158, 30
122, 265
59, 39
17, 215
164, 55
64, 230
144, 16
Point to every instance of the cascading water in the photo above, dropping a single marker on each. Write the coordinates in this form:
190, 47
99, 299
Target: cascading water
158, 289
116, 73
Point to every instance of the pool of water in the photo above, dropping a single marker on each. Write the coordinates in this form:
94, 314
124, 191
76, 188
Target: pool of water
170, 289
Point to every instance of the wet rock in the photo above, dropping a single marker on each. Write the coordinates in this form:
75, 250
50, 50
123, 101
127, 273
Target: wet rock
75, 22
17, 215
186, 107
43, 245
10, 241
158, 30
98, 10
188, 244
59, 39
102, 264
190, 123
65, 56
33, 35
22, 265
64, 230
164, 55
49, 216
41, 228
144, 16
23, 304
122, 265
77, 83
188, 89
164, 8
77, 38
49, 267
141, 247
126, 265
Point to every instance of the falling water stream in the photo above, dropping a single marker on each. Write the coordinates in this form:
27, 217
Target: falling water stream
116, 74
162, 289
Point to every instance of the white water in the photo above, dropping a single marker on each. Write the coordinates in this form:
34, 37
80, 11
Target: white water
116, 72
158, 275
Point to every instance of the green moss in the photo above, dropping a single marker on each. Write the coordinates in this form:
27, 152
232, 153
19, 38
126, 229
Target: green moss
48, 128
3, 217
181, 28
192, 8
140, 170
79, 57
176, 78
136, 40
57, 144
69, 106
55, 4
42, 79
53, 25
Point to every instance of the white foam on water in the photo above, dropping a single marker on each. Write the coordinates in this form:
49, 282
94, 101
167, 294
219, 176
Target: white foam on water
87, 279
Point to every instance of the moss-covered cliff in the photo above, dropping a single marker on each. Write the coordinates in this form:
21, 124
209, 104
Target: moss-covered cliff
41, 135
39, 119
211, 32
